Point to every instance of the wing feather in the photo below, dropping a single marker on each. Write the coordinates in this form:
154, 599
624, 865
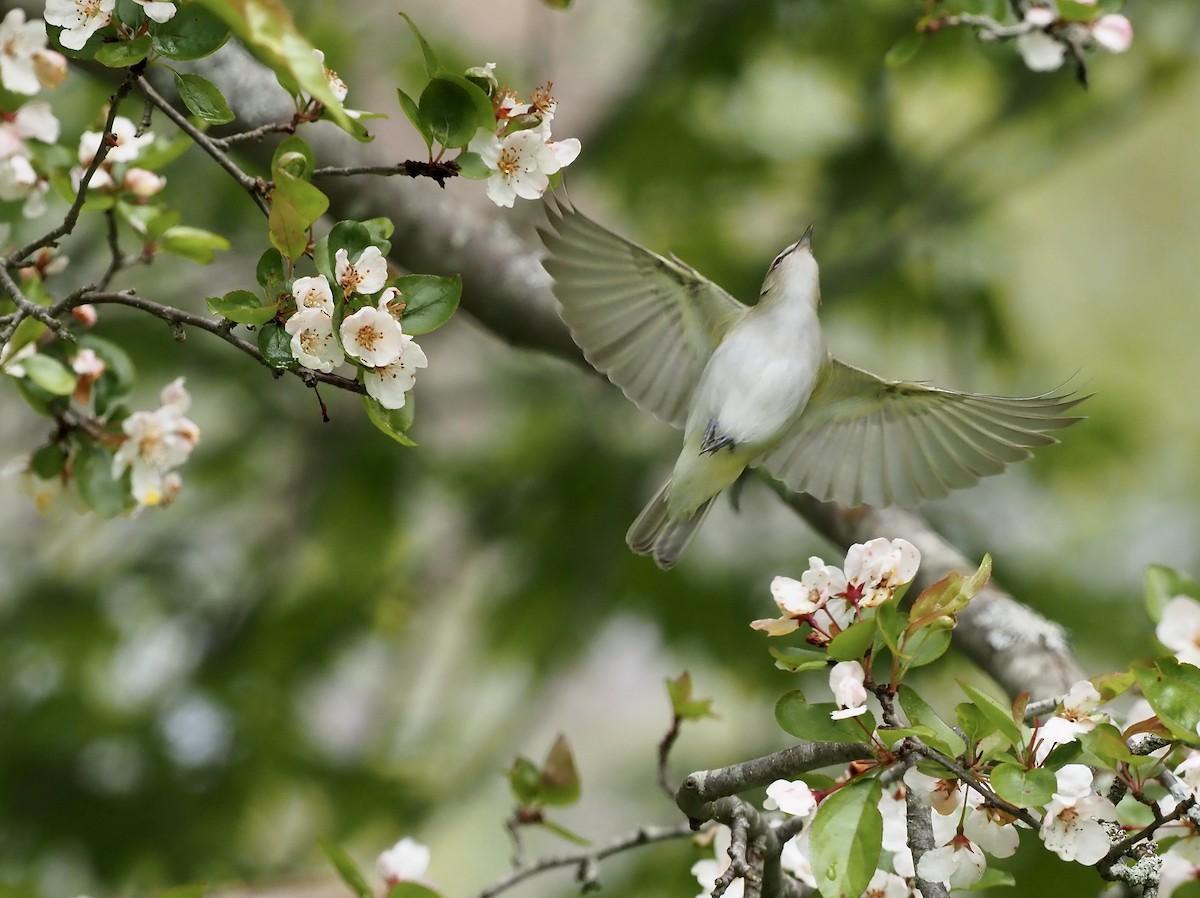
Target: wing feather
865, 440
647, 322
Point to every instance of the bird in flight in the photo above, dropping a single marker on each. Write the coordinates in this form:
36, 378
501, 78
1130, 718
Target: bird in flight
756, 386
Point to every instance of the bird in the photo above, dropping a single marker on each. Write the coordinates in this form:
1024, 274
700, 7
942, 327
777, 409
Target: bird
755, 386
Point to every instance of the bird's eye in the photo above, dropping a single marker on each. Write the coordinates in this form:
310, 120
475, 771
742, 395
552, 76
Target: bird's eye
779, 259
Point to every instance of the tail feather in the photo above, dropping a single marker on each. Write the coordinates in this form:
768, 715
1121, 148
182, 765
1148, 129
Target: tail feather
656, 534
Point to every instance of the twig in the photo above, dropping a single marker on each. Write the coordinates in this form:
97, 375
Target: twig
258, 133
253, 186
216, 326
664, 752
587, 860
973, 782
26, 308
413, 168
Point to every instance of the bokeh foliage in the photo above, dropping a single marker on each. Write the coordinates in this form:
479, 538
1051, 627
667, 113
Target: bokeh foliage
331, 637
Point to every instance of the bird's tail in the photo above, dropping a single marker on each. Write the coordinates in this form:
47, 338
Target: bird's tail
657, 534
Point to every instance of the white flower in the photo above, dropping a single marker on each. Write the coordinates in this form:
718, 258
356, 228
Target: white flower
796, 858
706, 871
387, 384
793, 798
157, 10
1040, 16
79, 19
946, 796
313, 293
1180, 865
87, 367
125, 144
1179, 629
32, 121
846, 681
313, 343
894, 810
886, 885
406, 861
1075, 718
155, 442
958, 865
336, 84
143, 183
20, 43
1041, 52
17, 178
799, 598
373, 336
366, 275
991, 830
876, 568
1113, 32
1071, 827
521, 162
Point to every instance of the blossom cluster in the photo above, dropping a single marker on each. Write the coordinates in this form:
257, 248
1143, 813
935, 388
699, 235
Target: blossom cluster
519, 151
829, 598
155, 444
1044, 46
80, 19
372, 336
26, 66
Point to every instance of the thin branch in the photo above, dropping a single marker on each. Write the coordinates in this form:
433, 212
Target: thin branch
664, 753
216, 326
587, 860
973, 782
26, 308
253, 186
703, 787
258, 133
413, 168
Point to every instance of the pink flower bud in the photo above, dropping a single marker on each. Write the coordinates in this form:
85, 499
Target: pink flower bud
85, 314
1113, 32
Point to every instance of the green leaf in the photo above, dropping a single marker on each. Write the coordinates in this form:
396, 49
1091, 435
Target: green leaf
1024, 788
1074, 11
192, 33
563, 833
891, 737
243, 307
50, 374
381, 230
927, 644
203, 99
904, 50
1110, 685
1107, 744
1163, 584
558, 782
919, 713
432, 64
93, 475
393, 422
271, 273
267, 29
412, 890
352, 236
852, 643
523, 779
413, 113
429, 301
123, 54
558, 4
346, 868
471, 165
276, 346
449, 112
683, 703
164, 151
284, 156
976, 725
48, 461
295, 205
27, 331
949, 595
847, 835
195, 244
997, 713
1173, 690
994, 878
812, 722
795, 659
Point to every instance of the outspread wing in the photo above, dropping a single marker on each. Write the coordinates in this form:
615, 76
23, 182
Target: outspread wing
647, 322
864, 440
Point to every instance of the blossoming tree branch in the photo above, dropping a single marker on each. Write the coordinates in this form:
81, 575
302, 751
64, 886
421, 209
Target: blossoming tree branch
880, 795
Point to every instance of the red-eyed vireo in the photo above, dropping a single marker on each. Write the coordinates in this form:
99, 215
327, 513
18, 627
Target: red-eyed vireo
755, 385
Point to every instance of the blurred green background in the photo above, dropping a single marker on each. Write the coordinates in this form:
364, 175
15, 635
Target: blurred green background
330, 637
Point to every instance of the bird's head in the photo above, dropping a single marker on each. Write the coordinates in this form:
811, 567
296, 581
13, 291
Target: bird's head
794, 271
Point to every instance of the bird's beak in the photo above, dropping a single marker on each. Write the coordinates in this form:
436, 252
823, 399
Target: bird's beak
806, 240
